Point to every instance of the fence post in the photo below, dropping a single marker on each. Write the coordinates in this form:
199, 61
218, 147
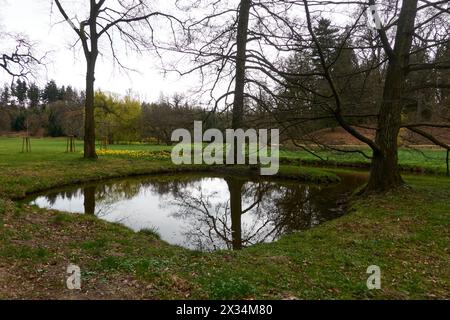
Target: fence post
70, 144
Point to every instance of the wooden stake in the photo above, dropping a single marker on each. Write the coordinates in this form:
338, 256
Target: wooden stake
26, 144
70, 144
104, 144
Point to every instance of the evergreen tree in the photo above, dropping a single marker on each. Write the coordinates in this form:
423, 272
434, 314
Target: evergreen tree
62, 93
34, 94
51, 92
442, 100
70, 94
20, 91
5, 96
54, 128
327, 36
19, 122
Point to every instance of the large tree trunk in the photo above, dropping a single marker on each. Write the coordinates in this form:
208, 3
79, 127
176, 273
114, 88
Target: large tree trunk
385, 173
241, 48
89, 120
91, 59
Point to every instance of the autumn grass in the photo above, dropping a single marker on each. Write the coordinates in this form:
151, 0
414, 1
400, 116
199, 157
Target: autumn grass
403, 232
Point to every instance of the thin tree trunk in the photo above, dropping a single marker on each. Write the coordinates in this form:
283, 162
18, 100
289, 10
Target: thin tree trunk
385, 172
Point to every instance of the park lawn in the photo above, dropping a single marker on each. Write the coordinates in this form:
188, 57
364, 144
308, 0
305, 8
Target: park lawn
404, 232
423, 160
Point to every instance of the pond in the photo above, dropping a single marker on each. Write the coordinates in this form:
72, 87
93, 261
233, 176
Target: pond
206, 212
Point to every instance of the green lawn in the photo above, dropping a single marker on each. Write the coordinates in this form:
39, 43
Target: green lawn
428, 160
404, 232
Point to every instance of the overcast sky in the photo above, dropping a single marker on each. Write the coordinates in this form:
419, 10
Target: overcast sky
41, 21
66, 66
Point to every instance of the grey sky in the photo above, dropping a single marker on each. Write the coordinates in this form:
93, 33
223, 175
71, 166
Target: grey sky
41, 21
67, 66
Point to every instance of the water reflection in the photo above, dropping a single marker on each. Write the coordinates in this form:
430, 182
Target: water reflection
207, 213
89, 200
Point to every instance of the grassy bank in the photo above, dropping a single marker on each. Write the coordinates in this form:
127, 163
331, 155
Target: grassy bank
405, 233
431, 161
48, 166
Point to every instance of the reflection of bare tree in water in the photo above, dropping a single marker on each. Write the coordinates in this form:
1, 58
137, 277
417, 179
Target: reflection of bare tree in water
255, 212
235, 189
219, 224
296, 207
170, 186
101, 199
302, 207
89, 200
251, 212
52, 197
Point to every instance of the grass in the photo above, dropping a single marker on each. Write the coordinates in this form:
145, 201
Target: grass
424, 161
427, 160
153, 232
48, 165
404, 232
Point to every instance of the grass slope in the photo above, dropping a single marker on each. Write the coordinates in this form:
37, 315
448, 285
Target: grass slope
405, 233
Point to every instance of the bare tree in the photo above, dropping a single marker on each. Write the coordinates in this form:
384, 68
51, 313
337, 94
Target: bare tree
159, 120
131, 20
241, 53
373, 96
385, 172
19, 59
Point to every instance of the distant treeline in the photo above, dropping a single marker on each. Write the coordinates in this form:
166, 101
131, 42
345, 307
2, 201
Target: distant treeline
57, 111
51, 111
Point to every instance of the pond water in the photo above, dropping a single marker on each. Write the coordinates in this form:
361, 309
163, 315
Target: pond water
206, 212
